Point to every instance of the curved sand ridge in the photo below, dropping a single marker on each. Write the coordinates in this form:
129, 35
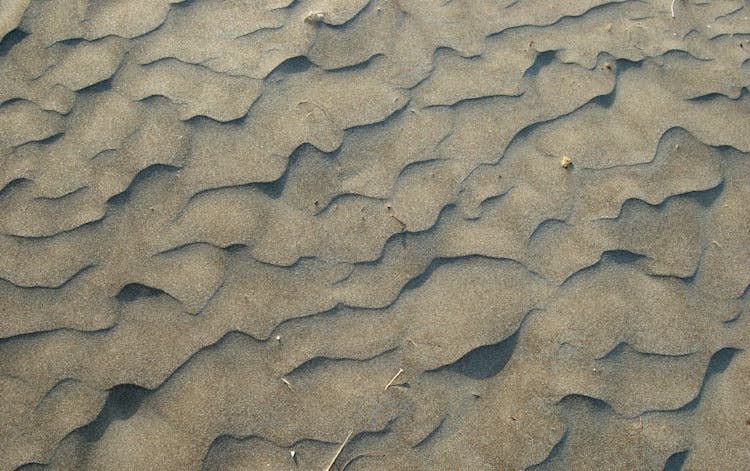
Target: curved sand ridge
226, 225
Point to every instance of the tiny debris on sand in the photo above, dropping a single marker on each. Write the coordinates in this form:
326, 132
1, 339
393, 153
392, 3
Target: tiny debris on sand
288, 384
338, 452
315, 17
390, 383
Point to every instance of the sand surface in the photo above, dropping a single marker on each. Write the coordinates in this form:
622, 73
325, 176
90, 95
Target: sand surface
374, 235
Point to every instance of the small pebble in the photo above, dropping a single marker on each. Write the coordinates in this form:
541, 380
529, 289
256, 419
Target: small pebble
315, 17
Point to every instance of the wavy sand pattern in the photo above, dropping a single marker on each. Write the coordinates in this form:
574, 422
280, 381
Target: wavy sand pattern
226, 225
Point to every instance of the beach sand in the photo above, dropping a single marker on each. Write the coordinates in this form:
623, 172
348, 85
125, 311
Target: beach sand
374, 235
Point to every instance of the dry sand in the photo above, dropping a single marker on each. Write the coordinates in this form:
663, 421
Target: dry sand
374, 235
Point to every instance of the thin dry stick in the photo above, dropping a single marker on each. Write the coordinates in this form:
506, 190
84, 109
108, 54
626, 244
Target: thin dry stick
672, 8
338, 452
403, 224
400, 370
288, 384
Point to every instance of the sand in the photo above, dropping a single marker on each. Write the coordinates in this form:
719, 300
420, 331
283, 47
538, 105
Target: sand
374, 235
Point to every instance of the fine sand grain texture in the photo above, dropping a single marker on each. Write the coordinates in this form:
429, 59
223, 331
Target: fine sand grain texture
474, 235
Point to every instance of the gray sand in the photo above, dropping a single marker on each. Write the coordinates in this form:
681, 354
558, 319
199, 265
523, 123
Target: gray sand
374, 235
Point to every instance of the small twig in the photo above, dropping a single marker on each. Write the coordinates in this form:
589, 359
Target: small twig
672, 8
403, 225
400, 370
288, 384
338, 452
